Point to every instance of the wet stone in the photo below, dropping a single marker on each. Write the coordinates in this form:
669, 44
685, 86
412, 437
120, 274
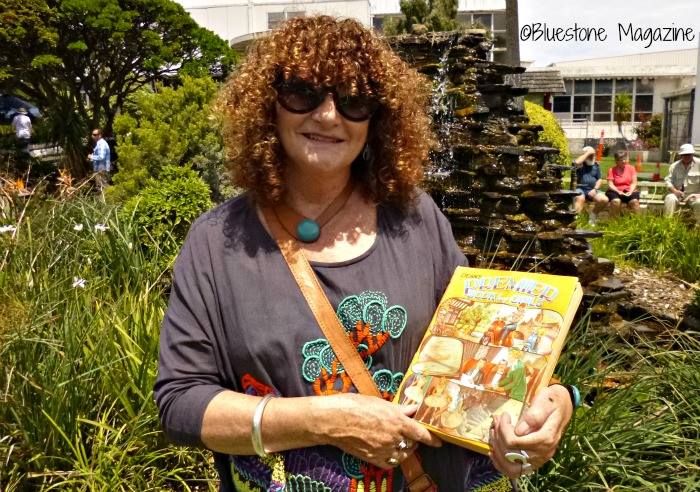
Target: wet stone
584, 234
496, 182
607, 284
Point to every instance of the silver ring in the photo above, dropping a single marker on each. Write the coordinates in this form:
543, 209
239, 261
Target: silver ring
403, 444
518, 456
392, 461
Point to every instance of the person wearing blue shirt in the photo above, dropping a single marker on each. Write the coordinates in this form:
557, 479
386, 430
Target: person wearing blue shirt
588, 181
100, 156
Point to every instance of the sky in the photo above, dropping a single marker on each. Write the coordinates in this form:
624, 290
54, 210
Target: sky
653, 15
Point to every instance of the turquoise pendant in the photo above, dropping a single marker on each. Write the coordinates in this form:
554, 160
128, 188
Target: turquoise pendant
308, 230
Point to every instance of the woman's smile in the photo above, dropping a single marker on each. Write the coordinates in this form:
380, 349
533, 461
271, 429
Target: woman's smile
323, 139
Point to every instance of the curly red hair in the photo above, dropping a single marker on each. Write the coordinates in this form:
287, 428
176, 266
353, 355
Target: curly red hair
328, 52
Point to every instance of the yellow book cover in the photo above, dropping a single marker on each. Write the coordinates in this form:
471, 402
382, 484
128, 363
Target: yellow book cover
493, 342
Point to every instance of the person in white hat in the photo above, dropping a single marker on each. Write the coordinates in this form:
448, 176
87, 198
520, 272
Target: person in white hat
22, 126
683, 182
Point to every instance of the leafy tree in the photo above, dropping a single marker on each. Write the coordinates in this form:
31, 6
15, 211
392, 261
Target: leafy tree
92, 54
170, 126
435, 15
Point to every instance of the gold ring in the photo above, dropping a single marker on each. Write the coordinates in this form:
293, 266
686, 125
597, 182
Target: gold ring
392, 461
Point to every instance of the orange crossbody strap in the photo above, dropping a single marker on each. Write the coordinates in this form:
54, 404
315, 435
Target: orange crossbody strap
416, 478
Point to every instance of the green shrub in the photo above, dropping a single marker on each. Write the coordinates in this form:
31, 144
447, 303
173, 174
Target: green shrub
643, 434
171, 126
391, 26
166, 207
658, 242
552, 133
649, 132
78, 361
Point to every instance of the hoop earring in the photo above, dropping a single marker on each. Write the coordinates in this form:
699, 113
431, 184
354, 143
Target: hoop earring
367, 153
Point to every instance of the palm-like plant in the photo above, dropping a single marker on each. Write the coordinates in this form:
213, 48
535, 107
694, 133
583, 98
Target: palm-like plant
623, 110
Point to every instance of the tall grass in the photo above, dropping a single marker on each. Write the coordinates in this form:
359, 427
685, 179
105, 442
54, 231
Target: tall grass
78, 360
77, 364
658, 242
640, 427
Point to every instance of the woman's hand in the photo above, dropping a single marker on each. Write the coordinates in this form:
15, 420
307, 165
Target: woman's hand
537, 433
368, 428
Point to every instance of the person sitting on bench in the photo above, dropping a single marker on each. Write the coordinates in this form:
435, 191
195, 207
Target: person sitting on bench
622, 185
588, 181
683, 182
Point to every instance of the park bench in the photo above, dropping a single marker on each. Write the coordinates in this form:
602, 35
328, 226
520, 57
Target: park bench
651, 195
46, 152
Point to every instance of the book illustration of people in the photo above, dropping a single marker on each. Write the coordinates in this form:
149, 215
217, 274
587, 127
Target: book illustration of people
488, 354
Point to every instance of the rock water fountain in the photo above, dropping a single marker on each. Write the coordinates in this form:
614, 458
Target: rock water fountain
500, 189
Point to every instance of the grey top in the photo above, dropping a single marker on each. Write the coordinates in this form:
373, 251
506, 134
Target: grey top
237, 320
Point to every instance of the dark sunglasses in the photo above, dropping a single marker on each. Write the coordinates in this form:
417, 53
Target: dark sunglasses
297, 96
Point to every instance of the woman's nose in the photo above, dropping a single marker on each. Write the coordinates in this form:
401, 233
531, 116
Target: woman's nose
327, 110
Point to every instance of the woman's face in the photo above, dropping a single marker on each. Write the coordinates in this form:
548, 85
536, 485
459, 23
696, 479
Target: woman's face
620, 163
321, 141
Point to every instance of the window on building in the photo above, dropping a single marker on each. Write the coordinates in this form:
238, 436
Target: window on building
602, 104
603, 86
500, 57
582, 104
602, 108
562, 104
499, 21
624, 85
645, 86
274, 19
484, 20
643, 105
594, 99
499, 40
583, 87
464, 18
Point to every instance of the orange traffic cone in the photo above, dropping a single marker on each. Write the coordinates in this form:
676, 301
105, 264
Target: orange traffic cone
601, 144
657, 175
638, 167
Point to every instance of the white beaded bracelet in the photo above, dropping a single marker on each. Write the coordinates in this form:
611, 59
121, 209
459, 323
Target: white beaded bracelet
256, 434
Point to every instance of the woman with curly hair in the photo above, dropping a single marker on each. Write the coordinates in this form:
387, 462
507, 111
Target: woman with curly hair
327, 133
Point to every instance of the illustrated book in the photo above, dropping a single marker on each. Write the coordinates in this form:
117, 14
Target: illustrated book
493, 342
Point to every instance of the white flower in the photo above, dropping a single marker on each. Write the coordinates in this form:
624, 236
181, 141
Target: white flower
78, 227
78, 282
130, 245
101, 227
7, 228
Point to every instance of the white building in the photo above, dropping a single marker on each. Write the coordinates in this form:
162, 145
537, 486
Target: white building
588, 106
239, 21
